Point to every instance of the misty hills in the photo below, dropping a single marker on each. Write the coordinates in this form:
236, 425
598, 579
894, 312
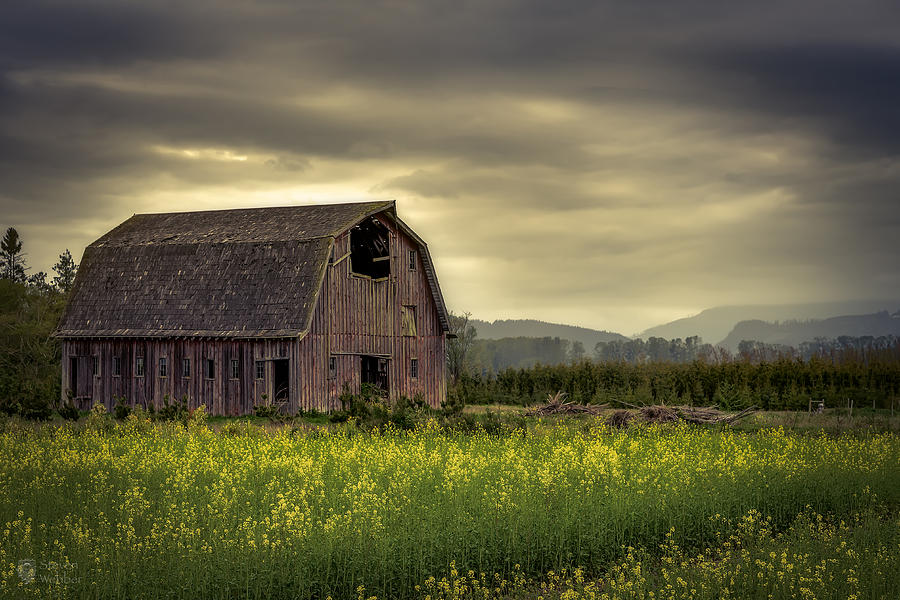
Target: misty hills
793, 333
714, 325
530, 328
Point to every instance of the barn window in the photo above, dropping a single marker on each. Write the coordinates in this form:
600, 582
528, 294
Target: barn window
235, 369
163, 367
370, 250
139, 366
408, 320
412, 260
95, 366
260, 369
185, 367
414, 368
209, 368
116, 366
332, 367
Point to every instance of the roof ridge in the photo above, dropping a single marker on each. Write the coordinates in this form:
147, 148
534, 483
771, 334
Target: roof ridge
247, 208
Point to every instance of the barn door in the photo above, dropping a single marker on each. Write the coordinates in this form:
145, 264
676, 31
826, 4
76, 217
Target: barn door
281, 379
374, 371
73, 375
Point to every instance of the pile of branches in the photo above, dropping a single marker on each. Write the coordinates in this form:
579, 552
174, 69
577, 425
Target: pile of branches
656, 413
660, 413
556, 406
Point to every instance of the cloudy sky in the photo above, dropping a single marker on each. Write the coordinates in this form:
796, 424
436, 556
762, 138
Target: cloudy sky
614, 165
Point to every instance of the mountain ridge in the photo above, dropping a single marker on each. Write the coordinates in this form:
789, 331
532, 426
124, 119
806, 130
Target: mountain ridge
534, 328
713, 325
795, 332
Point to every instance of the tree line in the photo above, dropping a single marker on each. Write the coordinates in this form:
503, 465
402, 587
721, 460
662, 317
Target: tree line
30, 308
636, 372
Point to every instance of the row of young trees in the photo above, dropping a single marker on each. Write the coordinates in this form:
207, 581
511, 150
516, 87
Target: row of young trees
783, 384
863, 370
30, 308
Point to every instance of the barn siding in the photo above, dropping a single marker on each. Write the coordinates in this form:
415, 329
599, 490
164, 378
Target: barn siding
353, 316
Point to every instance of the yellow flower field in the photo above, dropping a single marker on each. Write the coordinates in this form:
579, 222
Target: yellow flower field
162, 511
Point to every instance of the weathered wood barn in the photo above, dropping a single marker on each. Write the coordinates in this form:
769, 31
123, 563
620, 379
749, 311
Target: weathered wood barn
226, 306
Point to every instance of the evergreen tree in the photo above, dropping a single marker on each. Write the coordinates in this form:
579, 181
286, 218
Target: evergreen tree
38, 282
65, 272
12, 260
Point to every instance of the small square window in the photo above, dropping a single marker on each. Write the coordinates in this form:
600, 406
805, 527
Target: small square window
95, 366
260, 369
185, 367
413, 260
235, 369
209, 368
414, 368
163, 367
332, 367
139, 366
116, 366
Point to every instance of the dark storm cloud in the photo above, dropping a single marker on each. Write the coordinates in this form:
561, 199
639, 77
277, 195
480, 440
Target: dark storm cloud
850, 91
90, 32
680, 154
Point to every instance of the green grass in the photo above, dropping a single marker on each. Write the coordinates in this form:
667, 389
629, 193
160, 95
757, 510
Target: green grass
140, 510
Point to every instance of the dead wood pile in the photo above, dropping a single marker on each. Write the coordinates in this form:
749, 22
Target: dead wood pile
565, 408
657, 413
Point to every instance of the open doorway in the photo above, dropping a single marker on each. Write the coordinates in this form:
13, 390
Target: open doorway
281, 379
375, 372
73, 375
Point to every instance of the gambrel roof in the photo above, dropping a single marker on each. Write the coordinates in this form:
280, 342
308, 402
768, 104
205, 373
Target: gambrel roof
244, 273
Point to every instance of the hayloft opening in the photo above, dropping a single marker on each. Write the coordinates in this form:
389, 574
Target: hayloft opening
370, 250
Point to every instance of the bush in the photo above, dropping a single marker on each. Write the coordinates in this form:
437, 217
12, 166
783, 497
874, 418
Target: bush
121, 410
36, 409
97, 418
68, 412
197, 418
173, 411
268, 409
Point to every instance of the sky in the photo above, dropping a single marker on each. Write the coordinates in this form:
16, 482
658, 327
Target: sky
614, 165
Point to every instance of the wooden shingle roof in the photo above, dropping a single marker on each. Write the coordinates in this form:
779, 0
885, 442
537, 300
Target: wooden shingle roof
228, 273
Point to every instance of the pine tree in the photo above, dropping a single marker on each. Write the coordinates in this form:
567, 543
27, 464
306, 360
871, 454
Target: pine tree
65, 272
12, 260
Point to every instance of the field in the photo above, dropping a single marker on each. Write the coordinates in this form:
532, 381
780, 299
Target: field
565, 509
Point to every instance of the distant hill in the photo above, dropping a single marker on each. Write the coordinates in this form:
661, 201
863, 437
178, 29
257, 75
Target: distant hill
793, 333
530, 328
714, 324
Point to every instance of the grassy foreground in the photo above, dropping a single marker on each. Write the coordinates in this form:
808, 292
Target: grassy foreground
142, 510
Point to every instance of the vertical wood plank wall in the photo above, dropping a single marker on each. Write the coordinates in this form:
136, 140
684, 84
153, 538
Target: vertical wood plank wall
222, 394
354, 316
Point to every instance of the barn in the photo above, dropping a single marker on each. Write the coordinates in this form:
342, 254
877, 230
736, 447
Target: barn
231, 308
